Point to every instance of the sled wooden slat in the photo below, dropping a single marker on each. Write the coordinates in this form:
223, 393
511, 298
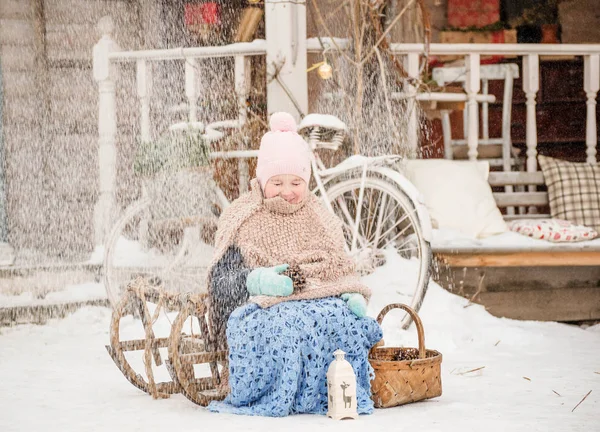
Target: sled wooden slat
138, 344
204, 357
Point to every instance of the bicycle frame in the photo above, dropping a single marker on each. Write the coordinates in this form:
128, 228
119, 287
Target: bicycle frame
323, 175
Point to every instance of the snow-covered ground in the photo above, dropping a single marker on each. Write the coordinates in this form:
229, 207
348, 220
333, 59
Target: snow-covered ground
498, 374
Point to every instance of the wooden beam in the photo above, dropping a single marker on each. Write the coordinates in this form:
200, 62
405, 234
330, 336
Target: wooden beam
522, 259
572, 304
501, 178
507, 199
527, 216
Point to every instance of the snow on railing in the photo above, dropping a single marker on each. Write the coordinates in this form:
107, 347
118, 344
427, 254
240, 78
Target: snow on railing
531, 83
106, 54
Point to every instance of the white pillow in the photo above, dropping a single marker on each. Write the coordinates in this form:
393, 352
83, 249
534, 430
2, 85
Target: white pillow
457, 195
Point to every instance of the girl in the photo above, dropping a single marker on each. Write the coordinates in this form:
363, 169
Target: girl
284, 295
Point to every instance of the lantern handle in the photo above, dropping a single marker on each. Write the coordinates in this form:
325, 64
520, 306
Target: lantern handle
416, 319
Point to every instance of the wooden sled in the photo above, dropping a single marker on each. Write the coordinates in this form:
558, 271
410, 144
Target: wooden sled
184, 349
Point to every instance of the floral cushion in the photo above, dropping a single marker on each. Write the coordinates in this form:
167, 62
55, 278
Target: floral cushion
554, 230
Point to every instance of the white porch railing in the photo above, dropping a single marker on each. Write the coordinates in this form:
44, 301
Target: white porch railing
106, 55
531, 82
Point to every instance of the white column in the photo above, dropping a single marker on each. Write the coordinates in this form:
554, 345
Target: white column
531, 85
472, 86
144, 91
591, 85
242, 85
104, 210
286, 57
242, 89
412, 68
191, 88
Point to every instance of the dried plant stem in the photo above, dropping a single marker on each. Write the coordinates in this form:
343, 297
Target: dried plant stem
258, 118
472, 370
385, 93
386, 47
557, 393
387, 30
322, 21
584, 398
479, 289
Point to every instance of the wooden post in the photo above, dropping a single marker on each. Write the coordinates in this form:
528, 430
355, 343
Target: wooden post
472, 86
287, 85
107, 130
412, 68
591, 85
531, 85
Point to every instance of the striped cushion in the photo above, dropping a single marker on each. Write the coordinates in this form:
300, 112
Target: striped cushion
573, 190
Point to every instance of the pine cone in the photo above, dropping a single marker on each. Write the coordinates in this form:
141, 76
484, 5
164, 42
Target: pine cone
297, 277
408, 354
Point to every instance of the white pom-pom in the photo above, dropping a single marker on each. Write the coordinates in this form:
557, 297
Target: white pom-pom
282, 122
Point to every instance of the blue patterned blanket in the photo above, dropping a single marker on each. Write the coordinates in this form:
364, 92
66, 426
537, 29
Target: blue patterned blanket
278, 356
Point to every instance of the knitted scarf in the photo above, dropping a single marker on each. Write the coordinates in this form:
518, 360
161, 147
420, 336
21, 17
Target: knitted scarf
269, 232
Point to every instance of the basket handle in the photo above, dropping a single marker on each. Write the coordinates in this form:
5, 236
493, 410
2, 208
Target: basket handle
416, 319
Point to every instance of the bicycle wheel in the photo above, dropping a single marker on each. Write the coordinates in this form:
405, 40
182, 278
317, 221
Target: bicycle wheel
136, 247
382, 228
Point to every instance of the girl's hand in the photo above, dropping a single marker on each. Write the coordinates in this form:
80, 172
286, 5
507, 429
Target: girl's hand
357, 303
268, 281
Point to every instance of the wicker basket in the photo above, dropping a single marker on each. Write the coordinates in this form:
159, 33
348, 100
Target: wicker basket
404, 375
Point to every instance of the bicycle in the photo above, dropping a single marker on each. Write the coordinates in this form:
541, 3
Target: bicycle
382, 214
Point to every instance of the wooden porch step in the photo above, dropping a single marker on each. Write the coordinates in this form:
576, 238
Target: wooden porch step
544, 293
34, 293
566, 304
39, 314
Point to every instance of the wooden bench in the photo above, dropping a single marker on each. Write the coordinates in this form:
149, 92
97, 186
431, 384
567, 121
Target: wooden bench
544, 281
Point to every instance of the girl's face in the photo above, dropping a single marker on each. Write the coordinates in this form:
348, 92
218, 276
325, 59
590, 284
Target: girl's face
291, 188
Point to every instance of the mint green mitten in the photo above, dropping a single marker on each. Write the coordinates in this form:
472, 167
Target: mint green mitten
268, 281
357, 303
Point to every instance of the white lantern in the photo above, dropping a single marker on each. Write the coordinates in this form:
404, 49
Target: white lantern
341, 389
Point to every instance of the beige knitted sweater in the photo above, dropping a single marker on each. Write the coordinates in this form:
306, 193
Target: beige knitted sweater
269, 232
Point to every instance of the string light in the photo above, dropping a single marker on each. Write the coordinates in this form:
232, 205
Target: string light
325, 71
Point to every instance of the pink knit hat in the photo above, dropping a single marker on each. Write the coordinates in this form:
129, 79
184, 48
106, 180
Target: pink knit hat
282, 151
